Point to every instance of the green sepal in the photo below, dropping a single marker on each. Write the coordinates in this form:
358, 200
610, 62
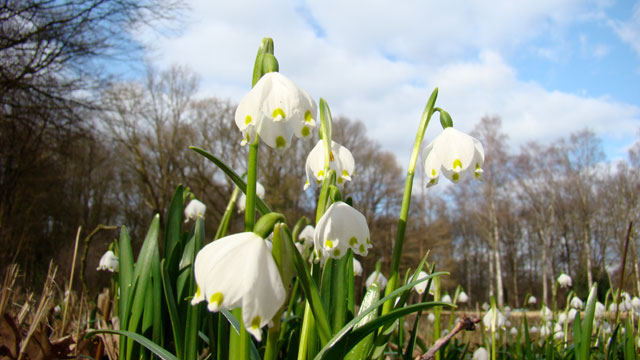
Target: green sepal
445, 119
282, 254
334, 194
264, 226
269, 64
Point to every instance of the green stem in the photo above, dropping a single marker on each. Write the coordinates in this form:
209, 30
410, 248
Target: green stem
436, 312
226, 217
252, 174
406, 200
271, 352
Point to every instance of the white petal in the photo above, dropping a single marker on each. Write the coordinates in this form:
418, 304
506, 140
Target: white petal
342, 227
423, 285
378, 278
357, 268
276, 134
431, 163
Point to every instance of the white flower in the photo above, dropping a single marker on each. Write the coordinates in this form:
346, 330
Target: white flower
485, 306
340, 228
562, 317
357, 268
446, 298
242, 200
557, 328
431, 317
576, 303
546, 313
613, 307
463, 297
513, 331
545, 331
559, 335
341, 160
423, 285
275, 109
239, 271
488, 320
481, 354
194, 210
572, 314
507, 311
109, 262
564, 280
533, 330
599, 310
625, 302
635, 303
532, 300
377, 277
453, 153
606, 328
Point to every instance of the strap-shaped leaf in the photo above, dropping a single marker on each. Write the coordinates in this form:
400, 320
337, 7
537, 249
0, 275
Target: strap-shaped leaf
153, 347
261, 206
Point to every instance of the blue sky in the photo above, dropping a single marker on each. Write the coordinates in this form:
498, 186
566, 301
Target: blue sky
547, 67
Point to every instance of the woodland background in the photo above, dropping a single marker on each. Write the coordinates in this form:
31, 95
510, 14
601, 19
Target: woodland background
81, 147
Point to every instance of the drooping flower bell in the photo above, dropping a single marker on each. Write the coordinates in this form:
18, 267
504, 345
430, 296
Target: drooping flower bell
242, 200
275, 109
420, 288
340, 228
109, 262
463, 297
446, 298
532, 300
454, 154
564, 280
239, 271
481, 354
378, 278
576, 303
488, 320
194, 210
357, 268
341, 160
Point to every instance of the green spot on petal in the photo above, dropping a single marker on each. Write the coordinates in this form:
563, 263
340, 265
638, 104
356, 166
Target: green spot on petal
331, 158
307, 116
433, 172
305, 131
345, 173
328, 244
455, 177
281, 143
353, 241
198, 292
368, 241
457, 164
247, 120
321, 173
216, 298
340, 180
361, 248
336, 252
278, 113
255, 323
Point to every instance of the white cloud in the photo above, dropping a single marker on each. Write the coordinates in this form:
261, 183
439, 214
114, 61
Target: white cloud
629, 31
378, 62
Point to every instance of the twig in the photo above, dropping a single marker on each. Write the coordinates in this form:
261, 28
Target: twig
67, 294
465, 324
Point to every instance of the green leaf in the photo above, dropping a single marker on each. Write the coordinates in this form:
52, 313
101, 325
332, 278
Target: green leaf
349, 326
310, 291
587, 324
347, 342
176, 323
194, 313
235, 324
261, 206
629, 343
150, 345
173, 233
125, 275
362, 349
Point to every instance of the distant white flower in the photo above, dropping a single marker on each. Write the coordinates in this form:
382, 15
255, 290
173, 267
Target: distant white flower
557, 328
546, 313
487, 320
635, 303
533, 330
625, 302
453, 153
545, 331
239, 271
242, 200
606, 328
562, 317
423, 285
532, 300
339, 229
275, 109
599, 310
564, 280
431, 317
340, 159
513, 331
357, 268
572, 314
559, 335
576, 303
378, 278
109, 262
613, 307
507, 311
481, 354
446, 298
463, 297
57, 309
485, 306
194, 210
